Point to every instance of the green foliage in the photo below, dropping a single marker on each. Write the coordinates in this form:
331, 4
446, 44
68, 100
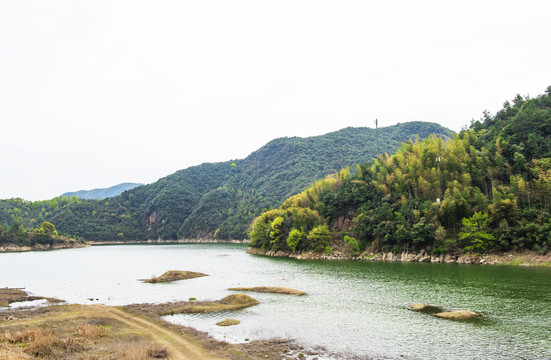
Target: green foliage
488, 188
16, 234
48, 228
319, 238
194, 202
353, 246
277, 233
295, 238
475, 233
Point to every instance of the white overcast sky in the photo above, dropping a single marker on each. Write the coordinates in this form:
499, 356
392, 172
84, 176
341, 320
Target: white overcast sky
95, 93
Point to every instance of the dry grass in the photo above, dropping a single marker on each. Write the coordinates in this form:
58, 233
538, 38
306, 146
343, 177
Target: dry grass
229, 303
71, 332
142, 352
173, 275
12, 352
90, 331
88, 357
270, 289
45, 343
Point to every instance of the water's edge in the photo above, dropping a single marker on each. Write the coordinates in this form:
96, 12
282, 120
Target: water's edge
42, 247
169, 242
508, 258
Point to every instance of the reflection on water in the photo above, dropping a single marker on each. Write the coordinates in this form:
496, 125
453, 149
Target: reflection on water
359, 307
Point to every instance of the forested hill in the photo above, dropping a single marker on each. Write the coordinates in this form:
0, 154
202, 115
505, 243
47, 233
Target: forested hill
103, 193
215, 199
487, 189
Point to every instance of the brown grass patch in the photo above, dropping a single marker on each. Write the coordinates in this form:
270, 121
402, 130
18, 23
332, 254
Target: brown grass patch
270, 289
12, 352
142, 352
90, 331
173, 275
40, 342
229, 303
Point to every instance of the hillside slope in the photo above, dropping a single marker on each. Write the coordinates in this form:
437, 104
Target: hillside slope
216, 199
487, 189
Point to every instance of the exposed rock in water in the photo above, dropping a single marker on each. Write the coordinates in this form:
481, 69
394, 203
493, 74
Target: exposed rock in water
437, 311
429, 309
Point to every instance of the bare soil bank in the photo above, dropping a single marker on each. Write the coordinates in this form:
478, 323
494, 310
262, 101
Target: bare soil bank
508, 258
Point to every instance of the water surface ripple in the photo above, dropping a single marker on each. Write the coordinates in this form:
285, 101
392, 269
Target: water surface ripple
354, 307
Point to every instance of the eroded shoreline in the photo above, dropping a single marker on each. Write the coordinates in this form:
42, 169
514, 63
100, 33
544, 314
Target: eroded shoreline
508, 258
41, 247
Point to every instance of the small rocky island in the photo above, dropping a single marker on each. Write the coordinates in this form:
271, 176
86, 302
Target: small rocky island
229, 303
228, 322
173, 275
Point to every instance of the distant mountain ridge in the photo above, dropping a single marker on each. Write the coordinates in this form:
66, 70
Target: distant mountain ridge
219, 200
102, 193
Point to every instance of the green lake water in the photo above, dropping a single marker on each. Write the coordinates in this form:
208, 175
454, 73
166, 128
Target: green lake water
352, 307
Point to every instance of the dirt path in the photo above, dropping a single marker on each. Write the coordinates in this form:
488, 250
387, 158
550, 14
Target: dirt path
177, 347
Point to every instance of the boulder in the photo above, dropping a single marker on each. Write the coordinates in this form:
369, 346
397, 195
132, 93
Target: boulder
425, 308
457, 314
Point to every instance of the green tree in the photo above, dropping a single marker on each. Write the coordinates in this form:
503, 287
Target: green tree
260, 234
319, 238
277, 234
295, 238
49, 228
353, 245
474, 233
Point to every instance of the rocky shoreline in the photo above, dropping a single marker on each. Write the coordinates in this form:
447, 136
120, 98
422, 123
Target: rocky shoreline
509, 258
41, 247
179, 241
